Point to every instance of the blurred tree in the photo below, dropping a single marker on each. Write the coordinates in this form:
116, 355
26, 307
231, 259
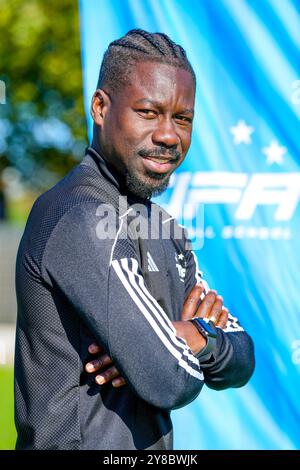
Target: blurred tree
42, 124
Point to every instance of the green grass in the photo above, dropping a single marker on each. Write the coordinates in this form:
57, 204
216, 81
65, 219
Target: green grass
18, 208
7, 427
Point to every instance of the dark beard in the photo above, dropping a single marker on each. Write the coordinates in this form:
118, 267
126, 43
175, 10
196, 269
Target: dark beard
146, 189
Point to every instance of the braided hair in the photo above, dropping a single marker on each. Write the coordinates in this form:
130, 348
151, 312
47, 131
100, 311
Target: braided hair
136, 46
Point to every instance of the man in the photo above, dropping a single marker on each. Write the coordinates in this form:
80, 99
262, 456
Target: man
87, 274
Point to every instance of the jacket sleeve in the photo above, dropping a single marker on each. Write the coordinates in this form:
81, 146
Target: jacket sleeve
102, 280
232, 364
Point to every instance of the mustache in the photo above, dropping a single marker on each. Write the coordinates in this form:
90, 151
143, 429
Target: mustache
160, 152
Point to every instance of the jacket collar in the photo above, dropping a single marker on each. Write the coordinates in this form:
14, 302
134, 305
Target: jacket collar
105, 168
110, 173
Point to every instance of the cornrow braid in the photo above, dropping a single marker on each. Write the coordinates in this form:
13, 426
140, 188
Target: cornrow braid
149, 37
170, 43
182, 51
136, 46
129, 45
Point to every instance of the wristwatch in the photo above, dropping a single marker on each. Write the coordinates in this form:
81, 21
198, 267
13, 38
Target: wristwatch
209, 331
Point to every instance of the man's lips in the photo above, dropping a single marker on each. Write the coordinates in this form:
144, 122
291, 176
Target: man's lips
159, 164
160, 159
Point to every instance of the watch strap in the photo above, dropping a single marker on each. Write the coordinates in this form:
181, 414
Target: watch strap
205, 353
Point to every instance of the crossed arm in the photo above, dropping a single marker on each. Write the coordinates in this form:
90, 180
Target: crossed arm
211, 307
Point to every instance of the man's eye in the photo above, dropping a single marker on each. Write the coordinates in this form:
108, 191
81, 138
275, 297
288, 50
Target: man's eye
184, 119
149, 113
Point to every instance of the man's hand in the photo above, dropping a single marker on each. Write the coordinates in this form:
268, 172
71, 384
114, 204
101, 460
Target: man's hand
210, 307
102, 361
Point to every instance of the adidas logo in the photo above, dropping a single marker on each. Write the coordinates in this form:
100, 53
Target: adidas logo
151, 264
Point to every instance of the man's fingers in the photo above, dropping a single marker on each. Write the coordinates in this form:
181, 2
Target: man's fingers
118, 382
191, 302
216, 309
107, 375
98, 363
94, 348
205, 307
223, 318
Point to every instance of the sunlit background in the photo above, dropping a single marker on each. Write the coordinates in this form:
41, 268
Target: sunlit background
243, 166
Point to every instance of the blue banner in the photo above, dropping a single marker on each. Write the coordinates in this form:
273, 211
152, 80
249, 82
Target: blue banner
244, 167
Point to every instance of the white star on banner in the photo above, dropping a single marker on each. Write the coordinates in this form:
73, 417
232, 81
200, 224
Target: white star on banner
242, 133
274, 152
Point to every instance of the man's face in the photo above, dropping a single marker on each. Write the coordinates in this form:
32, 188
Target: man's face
145, 130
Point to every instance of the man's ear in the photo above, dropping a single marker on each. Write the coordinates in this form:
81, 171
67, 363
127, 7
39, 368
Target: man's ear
99, 106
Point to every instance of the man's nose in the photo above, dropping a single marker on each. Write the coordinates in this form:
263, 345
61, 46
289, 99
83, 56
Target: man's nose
165, 134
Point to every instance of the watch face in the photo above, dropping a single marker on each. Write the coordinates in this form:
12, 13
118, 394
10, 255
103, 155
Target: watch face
210, 330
